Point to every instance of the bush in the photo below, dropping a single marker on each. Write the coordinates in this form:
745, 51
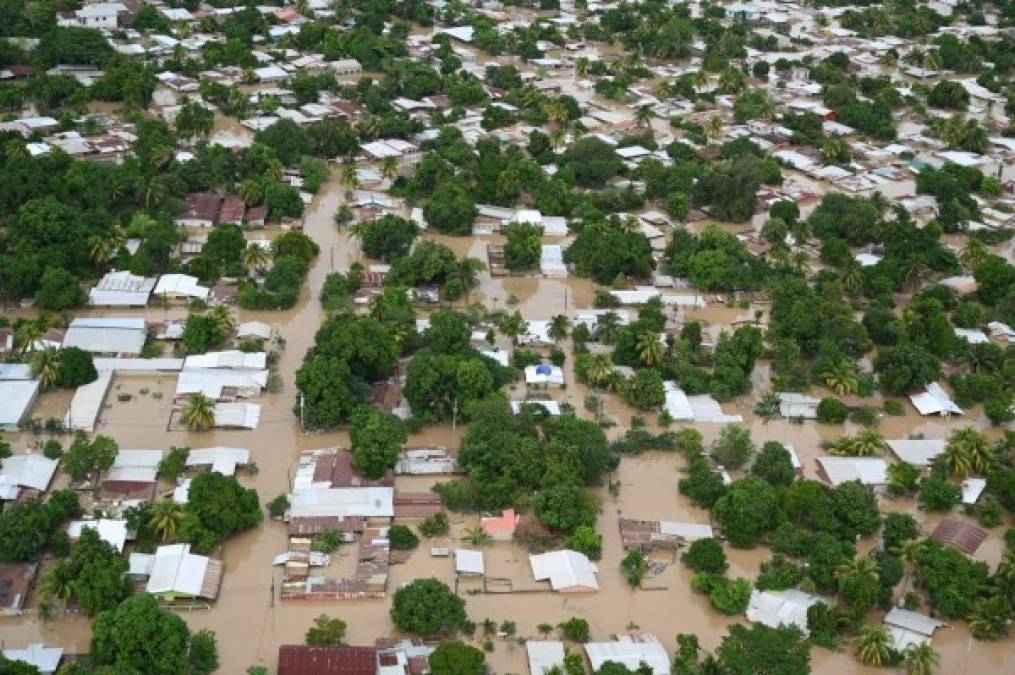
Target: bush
937, 494
402, 538
733, 447
277, 506
729, 596
893, 408
705, 555
436, 525
575, 629
327, 541
832, 411
586, 540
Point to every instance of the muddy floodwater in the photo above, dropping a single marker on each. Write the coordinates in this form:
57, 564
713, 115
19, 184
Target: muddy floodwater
251, 622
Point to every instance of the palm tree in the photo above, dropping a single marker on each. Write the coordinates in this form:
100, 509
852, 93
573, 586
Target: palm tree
841, 378
255, 257
971, 451
868, 443
859, 567
26, 335
252, 191
630, 224
606, 331
599, 368
973, 254
223, 317
555, 111
643, 115
59, 582
389, 167
99, 249
199, 412
931, 61
46, 366
512, 325
650, 348
852, 276
873, 645
731, 81
581, 66
921, 659
700, 80
349, 175
370, 127
166, 517
557, 138
476, 536
714, 126
560, 326
989, 620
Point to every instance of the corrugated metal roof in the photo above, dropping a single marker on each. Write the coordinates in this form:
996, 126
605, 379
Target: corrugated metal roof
781, 608
917, 451
566, 570
630, 653
544, 656
867, 470
87, 403
368, 502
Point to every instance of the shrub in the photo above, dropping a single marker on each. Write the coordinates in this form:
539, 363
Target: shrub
705, 555
575, 629
436, 525
402, 538
832, 411
277, 506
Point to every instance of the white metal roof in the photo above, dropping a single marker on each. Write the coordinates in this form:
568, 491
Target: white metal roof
15, 371
934, 401
917, 451
232, 358
177, 570
87, 403
181, 284
972, 488
972, 336
867, 470
677, 405
113, 532
544, 656
237, 415
566, 570
28, 471
469, 562
551, 407
555, 376
121, 289
253, 329
17, 397
211, 381
551, 261
913, 621
368, 502
707, 409
687, 531
781, 608
106, 335
128, 365
221, 459
630, 653
138, 458
46, 659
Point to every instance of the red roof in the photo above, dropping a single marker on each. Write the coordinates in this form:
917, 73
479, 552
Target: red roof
333, 660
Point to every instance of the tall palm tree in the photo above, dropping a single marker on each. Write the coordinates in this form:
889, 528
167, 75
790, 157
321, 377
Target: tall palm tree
873, 644
26, 335
858, 567
931, 61
841, 378
199, 412
560, 326
99, 249
389, 167
700, 80
606, 330
643, 115
166, 517
989, 620
868, 443
973, 254
974, 447
252, 191
852, 276
349, 175
557, 138
581, 66
714, 126
46, 366
555, 111
599, 368
59, 582
650, 348
255, 257
512, 325
476, 536
921, 659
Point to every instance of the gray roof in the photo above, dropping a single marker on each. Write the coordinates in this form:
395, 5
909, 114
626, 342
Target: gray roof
17, 397
107, 336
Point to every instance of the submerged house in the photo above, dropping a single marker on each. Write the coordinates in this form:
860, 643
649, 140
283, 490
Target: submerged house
174, 573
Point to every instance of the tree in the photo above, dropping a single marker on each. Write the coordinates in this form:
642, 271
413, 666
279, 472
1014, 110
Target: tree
387, 238
921, 659
376, 438
255, 256
326, 631
450, 209
646, 390
905, 367
524, 246
46, 366
560, 326
218, 507
592, 161
84, 457
634, 565
566, 507
990, 618
873, 645
203, 656
139, 636
747, 510
937, 494
575, 629
166, 517
427, 607
841, 378
76, 368
774, 464
586, 540
650, 349
199, 412
968, 451
402, 538
733, 447
58, 289
760, 650
705, 555
454, 657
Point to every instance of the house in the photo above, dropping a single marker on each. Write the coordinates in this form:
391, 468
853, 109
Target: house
253, 330
781, 608
174, 573
972, 488
793, 406
180, 287
18, 396
87, 403
402, 657
934, 400
964, 536
567, 571
502, 527
235, 415
917, 451
233, 359
15, 582
46, 660
545, 656
96, 15
327, 660
544, 374
233, 210
700, 408
867, 470
469, 563
425, 462
200, 210
551, 261
134, 475
113, 532
121, 336
910, 629
25, 472
345, 67
221, 384
631, 652
121, 289
648, 535
219, 459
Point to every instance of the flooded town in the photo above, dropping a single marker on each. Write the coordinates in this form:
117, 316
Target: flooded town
412, 337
